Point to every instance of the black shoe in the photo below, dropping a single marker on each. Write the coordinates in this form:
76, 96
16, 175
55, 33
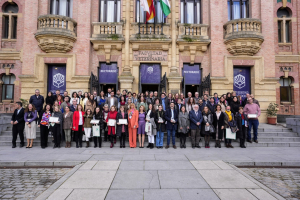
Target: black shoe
95, 146
193, 147
43, 147
167, 147
256, 141
57, 146
184, 146
54, 146
21, 145
250, 141
198, 146
149, 145
14, 146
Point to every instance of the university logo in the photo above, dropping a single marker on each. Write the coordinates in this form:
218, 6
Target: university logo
58, 80
150, 70
239, 81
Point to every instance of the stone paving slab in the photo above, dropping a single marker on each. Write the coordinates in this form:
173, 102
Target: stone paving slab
132, 165
80, 194
261, 194
193, 194
234, 194
88, 165
168, 165
107, 165
60, 194
205, 165
161, 194
137, 194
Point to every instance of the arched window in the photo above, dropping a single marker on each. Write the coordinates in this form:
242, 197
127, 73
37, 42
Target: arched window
8, 87
284, 25
285, 89
61, 7
238, 9
9, 20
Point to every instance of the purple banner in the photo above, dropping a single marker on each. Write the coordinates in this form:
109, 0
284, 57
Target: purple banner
192, 74
150, 74
56, 78
242, 81
108, 73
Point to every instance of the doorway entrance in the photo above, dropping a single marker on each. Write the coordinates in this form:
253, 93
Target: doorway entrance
148, 87
104, 87
150, 77
108, 77
192, 89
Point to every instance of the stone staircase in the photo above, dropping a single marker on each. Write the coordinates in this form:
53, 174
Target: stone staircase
268, 136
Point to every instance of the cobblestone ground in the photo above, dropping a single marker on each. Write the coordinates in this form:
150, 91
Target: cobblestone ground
27, 183
285, 182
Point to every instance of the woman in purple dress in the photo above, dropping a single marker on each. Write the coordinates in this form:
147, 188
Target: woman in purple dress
142, 122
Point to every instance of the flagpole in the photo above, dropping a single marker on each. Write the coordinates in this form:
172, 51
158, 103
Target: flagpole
139, 17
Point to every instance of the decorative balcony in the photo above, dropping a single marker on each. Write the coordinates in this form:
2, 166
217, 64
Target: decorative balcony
243, 36
56, 33
192, 38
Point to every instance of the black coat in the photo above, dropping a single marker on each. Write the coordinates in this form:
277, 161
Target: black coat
241, 133
37, 102
99, 117
19, 117
220, 123
212, 108
235, 107
119, 127
50, 100
160, 126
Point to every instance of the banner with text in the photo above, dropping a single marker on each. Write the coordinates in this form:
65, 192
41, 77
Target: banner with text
108, 73
150, 73
192, 74
56, 78
242, 81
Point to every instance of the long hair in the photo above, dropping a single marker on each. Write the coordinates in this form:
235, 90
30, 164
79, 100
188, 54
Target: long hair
132, 104
27, 108
142, 107
90, 112
78, 107
189, 101
153, 110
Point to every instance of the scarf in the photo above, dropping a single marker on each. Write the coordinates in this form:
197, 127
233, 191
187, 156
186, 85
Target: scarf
243, 119
229, 115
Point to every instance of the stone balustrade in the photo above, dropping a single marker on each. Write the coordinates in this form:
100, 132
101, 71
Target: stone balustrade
193, 31
150, 31
107, 30
56, 33
243, 36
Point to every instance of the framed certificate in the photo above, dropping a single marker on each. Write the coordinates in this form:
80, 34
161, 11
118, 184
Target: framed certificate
160, 120
251, 116
111, 122
94, 121
123, 121
53, 119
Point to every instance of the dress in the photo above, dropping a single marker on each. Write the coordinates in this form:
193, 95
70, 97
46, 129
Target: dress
142, 122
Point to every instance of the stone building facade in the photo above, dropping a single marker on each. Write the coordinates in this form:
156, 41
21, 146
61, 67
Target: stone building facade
230, 43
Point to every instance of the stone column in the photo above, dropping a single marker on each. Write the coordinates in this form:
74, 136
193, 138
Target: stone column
174, 77
126, 78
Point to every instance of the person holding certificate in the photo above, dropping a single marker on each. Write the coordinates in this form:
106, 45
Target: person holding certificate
56, 123
160, 126
30, 124
44, 126
111, 124
78, 123
122, 125
142, 123
133, 117
88, 126
98, 115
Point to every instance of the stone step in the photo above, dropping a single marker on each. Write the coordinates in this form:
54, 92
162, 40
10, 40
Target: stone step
277, 134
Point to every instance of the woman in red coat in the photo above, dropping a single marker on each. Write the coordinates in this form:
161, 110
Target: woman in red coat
112, 129
78, 122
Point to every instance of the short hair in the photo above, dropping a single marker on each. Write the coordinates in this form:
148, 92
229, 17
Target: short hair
58, 90
172, 103
205, 95
241, 108
105, 105
37, 90
211, 98
129, 92
215, 93
19, 103
109, 88
66, 91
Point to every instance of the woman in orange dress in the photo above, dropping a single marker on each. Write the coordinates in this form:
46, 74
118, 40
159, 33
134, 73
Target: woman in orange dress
133, 117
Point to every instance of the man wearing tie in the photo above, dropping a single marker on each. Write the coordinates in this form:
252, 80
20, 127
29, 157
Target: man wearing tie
17, 120
171, 117
195, 125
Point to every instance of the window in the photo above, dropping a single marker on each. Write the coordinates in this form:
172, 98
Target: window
284, 26
110, 11
8, 87
141, 14
190, 11
238, 9
285, 89
61, 7
9, 21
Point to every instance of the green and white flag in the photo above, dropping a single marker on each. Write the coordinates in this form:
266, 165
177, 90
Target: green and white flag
165, 6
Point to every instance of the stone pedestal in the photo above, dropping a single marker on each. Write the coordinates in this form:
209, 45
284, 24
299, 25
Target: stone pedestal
174, 84
126, 82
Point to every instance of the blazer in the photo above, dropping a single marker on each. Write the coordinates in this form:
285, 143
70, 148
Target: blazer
115, 102
168, 116
37, 102
68, 121
195, 119
76, 120
18, 117
72, 108
134, 121
87, 121
160, 126
89, 105
119, 127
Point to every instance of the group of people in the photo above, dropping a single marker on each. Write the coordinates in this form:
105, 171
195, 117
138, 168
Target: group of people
86, 117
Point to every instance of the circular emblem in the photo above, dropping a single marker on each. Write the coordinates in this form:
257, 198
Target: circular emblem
239, 81
58, 80
150, 70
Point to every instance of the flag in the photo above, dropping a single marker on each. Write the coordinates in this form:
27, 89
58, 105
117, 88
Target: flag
151, 14
144, 5
165, 7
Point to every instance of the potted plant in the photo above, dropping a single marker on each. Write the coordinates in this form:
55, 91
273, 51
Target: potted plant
272, 113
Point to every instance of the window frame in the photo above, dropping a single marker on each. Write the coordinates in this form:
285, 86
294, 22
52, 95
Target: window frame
288, 88
4, 88
10, 25
241, 8
195, 11
105, 10
68, 7
145, 17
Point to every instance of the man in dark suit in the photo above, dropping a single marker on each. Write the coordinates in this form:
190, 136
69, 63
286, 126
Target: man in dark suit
212, 105
178, 105
73, 107
195, 124
38, 101
17, 120
171, 117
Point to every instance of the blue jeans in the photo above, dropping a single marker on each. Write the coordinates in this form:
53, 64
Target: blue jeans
254, 123
159, 138
173, 136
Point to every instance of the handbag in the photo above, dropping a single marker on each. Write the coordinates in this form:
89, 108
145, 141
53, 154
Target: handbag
148, 127
230, 134
212, 129
96, 131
